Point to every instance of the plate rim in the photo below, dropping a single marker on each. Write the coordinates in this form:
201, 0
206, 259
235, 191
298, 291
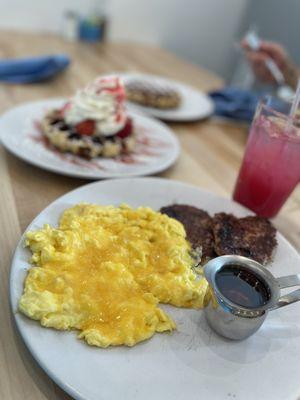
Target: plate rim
90, 175
68, 388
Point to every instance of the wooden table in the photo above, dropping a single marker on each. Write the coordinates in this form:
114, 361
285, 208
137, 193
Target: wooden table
211, 155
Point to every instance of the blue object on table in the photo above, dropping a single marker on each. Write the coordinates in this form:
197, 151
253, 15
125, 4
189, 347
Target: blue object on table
235, 103
34, 69
91, 32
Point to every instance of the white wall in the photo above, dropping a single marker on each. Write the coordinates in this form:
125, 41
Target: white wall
203, 31
281, 25
45, 15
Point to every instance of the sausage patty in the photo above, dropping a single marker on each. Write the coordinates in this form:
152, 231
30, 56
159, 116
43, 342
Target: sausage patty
253, 237
198, 227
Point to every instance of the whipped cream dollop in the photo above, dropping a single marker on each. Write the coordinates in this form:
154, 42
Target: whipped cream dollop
103, 102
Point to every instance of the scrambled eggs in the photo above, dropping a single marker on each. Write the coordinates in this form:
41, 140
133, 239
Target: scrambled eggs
104, 270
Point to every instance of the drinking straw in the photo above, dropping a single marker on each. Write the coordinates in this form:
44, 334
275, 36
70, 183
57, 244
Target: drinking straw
294, 106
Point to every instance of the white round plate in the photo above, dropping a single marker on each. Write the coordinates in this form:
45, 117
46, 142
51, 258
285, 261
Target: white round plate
157, 147
191, 363
194, 105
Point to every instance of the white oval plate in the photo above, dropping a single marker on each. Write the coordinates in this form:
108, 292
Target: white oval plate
157, 147
191, 363
194, 105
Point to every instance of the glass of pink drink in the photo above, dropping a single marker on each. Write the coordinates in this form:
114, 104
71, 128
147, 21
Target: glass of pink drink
271, 166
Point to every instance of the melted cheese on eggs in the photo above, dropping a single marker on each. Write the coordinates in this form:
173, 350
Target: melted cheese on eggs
104, 270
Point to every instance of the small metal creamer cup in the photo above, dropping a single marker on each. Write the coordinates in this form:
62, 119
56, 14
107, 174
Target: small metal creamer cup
233, 321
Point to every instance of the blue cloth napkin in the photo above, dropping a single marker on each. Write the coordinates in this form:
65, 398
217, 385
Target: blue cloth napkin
35, 69
235, 103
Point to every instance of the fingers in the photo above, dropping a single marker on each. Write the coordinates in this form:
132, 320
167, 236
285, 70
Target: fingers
244, 45
257, 61
275, 51
270, 49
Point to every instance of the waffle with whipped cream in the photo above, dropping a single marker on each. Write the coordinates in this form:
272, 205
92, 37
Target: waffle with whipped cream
93, 123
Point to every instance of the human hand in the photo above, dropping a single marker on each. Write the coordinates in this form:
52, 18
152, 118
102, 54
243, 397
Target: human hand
277, 53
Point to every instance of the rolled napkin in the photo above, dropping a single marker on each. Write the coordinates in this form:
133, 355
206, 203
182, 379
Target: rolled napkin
235, 103
34, 69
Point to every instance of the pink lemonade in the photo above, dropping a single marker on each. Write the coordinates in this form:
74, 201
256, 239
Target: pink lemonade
271, 166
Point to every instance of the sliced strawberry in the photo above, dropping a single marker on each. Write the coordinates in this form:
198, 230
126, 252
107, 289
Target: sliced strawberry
127, 130
86, 127
64, 108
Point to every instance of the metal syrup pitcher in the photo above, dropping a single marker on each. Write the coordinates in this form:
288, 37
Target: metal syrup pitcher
242, 293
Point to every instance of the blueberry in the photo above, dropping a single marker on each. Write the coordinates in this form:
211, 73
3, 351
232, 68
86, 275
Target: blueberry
74, 135
63, 127
97, 139
111, 138
56, 121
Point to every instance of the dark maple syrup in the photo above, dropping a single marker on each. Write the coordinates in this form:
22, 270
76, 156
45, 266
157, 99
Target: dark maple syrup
242, 287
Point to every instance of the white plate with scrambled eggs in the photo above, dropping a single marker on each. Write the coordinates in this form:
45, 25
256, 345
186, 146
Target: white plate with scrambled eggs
97, 266
156, 149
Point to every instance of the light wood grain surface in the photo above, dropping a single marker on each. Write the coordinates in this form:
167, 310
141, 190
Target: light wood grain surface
210, 158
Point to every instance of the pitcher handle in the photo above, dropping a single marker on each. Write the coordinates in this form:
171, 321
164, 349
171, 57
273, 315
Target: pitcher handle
285, 282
